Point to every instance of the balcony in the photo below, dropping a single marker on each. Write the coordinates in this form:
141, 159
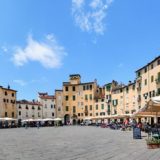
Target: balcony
158, 80
139, 88
108, 100
139, 78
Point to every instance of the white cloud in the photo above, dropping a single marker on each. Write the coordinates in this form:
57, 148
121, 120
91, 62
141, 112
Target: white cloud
20, 82
29, 82
4, 49
47, 52
89, 15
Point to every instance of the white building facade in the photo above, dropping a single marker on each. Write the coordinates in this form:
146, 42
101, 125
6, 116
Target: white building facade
48, 105
28, 110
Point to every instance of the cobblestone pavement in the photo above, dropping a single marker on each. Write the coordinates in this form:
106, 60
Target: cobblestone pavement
72, 143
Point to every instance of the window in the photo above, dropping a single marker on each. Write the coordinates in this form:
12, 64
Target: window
33, 107
153, 94
90, 114
86, 97
115, 102
152, 66
139, 74
90, 107
158, 62
158, 91
19, 107
87, 87
102, 106
67, 98
158, 79
19, 113
26, 106
39, 108
150, 94
79, 114
74, 109
52, 114
145, 70
39, 114
4, 100
51, 106
90, 87
6, 114
127, 90
67, 108
74, 98
96, 114
86, 108
145, 82
97, 107
5, 93
152, 79
90, 96
109, 108
12, 114
73, 88
133, 87
66, 89
84, 88
12, 94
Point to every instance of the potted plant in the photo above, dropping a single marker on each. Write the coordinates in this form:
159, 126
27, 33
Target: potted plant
153, 143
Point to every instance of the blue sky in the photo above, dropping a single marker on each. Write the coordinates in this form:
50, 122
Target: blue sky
43, 41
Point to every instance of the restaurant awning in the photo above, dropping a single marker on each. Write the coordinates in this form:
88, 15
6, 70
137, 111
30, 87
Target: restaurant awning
151, 109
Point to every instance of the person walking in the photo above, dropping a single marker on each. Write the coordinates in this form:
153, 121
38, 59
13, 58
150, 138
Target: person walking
37, 125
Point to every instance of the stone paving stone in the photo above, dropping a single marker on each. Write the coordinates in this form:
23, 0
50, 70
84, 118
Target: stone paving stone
73, 143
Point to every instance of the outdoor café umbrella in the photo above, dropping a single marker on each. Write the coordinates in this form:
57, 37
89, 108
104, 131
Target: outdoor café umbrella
57, 119
152, 108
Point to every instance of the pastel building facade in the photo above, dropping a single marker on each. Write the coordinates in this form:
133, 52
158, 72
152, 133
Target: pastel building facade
59, 104
7, 102
48, 105
78, 100
29, 110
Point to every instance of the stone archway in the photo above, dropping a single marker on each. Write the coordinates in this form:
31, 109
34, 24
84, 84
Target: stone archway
74, 119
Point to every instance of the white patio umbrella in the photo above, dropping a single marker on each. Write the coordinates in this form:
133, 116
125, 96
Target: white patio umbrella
48, 119
57, 119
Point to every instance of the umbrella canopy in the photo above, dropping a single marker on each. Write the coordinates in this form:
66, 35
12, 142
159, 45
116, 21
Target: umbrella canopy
48, 119
88, 118
151, 109
57, 119
7, 119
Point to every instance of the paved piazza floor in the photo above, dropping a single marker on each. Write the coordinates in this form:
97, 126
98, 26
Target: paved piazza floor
72, 143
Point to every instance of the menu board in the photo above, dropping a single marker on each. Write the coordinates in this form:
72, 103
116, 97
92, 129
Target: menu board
137, 133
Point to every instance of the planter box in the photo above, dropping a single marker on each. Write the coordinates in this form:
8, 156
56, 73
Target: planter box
153, 146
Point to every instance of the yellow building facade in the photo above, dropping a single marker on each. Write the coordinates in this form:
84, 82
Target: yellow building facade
7, 102
80, 101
